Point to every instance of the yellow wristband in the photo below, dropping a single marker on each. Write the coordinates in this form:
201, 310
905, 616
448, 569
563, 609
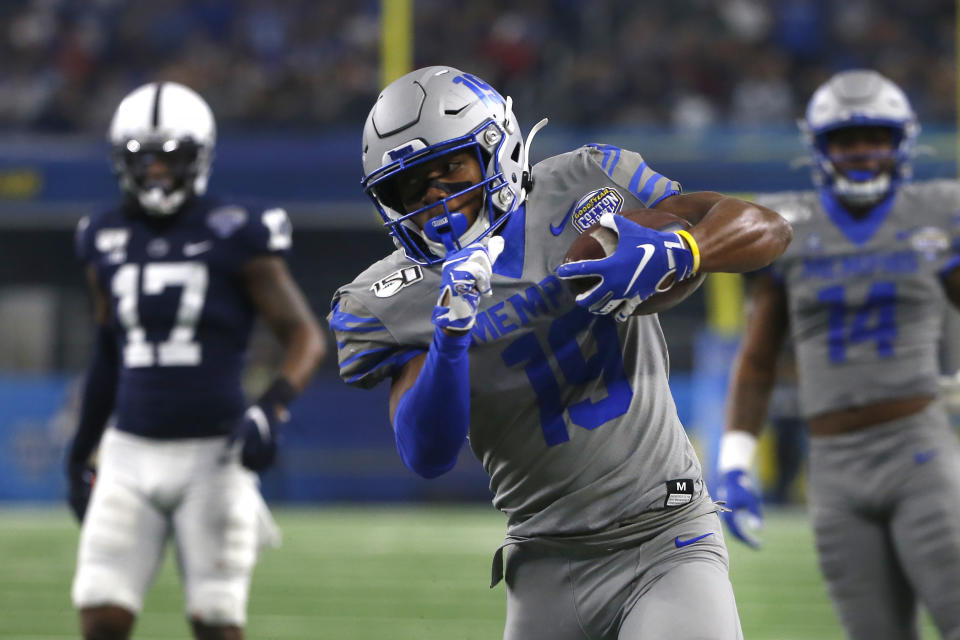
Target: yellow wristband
694, 249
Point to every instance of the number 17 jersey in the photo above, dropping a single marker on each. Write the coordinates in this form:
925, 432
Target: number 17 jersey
180, 309
865, 295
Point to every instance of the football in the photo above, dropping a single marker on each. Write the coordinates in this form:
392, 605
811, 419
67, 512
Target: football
598, 242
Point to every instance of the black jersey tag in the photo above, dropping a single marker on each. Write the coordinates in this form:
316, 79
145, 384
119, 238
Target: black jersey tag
679, 492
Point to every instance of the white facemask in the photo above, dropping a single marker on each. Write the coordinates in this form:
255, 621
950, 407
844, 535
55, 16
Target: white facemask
863, 193
157, 202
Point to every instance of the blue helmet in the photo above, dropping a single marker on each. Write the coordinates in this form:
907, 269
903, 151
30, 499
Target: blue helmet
859, 98
428, 113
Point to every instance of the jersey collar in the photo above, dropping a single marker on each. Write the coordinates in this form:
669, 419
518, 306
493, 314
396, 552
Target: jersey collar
510, 262
857, 230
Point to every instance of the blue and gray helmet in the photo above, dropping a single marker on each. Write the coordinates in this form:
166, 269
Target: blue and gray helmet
428, 113
859, 98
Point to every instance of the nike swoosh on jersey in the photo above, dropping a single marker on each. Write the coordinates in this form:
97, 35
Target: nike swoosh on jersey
682, 543
924, 457
196, 248
557, 230
648, 250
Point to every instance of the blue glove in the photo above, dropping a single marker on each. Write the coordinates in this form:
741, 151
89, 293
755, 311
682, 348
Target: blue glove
646, 261
256, 434
743, 515
465, 277
80, 478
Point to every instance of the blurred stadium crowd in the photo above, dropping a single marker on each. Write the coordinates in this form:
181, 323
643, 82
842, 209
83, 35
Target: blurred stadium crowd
64, 64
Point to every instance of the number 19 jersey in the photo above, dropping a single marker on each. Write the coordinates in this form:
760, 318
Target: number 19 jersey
571, 414
180, 309
864, 295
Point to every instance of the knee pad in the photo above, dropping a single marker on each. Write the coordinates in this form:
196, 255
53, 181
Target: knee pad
121, 545
95, 587
218, 603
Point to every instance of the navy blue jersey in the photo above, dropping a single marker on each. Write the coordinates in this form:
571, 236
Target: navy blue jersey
180, 309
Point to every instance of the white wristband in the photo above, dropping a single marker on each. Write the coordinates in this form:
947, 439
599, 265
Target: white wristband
736, 450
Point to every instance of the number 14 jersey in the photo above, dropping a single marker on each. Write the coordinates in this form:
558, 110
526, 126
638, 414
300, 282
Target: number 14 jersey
865, 296
180, 309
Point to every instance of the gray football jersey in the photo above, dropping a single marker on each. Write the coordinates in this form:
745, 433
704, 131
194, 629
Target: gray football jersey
571, 414
865, 297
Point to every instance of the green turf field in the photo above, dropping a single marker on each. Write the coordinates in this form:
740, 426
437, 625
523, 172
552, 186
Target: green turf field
363, 573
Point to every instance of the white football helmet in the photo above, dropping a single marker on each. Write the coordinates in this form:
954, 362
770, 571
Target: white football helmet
426, 114
169, 123
859, 98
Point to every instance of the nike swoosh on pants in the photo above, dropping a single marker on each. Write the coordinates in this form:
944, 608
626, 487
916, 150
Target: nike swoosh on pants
682, 543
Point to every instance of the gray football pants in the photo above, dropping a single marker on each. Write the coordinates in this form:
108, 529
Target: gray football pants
885, 504
653, 591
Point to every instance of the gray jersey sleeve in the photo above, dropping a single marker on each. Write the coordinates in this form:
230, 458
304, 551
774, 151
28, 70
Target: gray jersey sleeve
367, 352
628, 169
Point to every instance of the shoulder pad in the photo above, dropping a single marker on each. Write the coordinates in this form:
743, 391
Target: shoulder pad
101, 232
628, 169
366, 350
264, 230
796, 207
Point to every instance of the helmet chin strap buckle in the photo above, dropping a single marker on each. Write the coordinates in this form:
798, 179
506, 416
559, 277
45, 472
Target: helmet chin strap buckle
447, 229
861, 175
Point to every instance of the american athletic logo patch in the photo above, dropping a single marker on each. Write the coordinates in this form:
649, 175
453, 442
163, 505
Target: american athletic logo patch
589, 208
386, 287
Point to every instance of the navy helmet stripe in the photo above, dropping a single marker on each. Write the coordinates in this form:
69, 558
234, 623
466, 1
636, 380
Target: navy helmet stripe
156, 106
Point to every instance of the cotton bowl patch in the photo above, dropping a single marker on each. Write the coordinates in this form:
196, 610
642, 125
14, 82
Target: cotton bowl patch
930, 241
589, 208
225, 220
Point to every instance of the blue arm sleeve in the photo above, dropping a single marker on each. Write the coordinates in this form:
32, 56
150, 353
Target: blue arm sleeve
99, 393
433, 417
